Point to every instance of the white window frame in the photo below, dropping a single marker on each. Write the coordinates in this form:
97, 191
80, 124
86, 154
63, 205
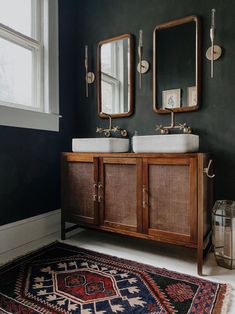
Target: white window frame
46, 115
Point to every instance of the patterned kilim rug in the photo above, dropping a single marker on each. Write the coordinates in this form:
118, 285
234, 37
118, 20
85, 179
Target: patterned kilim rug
65, 279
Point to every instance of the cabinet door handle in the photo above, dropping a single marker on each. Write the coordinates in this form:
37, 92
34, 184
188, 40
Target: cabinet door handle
207, 170
145, 194
100, 187
95, 195
145, 204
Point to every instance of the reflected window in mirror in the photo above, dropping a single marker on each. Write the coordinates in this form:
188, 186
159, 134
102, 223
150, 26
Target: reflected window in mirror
115, 90
177, 83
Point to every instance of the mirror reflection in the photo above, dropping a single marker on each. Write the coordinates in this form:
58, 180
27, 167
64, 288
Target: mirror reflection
176, 84
115, 67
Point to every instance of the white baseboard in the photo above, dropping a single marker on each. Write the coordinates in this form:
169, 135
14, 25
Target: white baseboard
21, 233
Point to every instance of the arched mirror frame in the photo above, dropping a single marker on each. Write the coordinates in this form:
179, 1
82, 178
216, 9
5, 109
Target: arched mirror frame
171, 24
131, 105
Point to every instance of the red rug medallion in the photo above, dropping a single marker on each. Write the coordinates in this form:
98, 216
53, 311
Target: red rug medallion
69, 280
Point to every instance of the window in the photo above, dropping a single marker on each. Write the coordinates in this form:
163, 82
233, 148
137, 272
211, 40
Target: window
29, 64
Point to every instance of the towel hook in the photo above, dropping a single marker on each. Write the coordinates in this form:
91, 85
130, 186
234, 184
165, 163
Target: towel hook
207, 170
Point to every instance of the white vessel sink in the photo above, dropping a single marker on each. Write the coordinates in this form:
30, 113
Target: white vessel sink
101, 145
171, 143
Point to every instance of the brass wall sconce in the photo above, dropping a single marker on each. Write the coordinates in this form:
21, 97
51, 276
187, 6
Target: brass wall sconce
214, 52
90, 76
143, 65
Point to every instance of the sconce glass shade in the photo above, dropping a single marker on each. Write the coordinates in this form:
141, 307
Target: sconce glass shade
223, 236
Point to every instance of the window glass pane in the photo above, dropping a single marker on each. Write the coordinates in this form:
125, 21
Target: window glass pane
106, 57
16, 74
17, 14
107, 96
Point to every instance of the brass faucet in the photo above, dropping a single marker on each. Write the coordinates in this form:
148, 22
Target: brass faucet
182, 127
107, 132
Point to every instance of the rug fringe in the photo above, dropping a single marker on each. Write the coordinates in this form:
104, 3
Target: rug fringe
227, 298
23, 255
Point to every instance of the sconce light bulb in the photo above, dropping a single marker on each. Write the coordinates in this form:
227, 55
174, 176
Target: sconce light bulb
86, 51
213, 17
141, 38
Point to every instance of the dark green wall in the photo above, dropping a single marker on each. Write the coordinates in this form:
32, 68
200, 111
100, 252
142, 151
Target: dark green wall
214, 122
30, 159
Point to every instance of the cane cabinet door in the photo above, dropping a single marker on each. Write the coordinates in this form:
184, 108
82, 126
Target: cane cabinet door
170, 199
79, 189
120, 193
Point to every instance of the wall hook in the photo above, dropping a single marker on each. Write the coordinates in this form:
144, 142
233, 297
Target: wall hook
207, 170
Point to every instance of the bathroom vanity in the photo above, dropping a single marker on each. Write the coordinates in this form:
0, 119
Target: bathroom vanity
161, 197
165, 195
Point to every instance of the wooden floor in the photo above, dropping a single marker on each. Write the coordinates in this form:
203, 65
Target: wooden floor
170, 257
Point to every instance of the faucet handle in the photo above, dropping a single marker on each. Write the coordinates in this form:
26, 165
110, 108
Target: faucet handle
163, 130
158, 127
124, 133
107, 133
182, 126
185, 128
116, 128
98, 129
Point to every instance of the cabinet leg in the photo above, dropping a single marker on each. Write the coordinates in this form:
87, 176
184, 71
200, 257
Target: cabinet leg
199, 260
63, 232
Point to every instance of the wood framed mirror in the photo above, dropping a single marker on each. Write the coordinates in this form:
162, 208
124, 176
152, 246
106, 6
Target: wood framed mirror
177, 65
115, 74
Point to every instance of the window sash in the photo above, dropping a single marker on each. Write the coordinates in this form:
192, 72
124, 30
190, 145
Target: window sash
36, 47
115, 85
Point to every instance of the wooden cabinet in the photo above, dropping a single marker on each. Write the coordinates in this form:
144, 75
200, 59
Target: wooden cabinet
79, 186
120, 184
162, 197
170, 198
